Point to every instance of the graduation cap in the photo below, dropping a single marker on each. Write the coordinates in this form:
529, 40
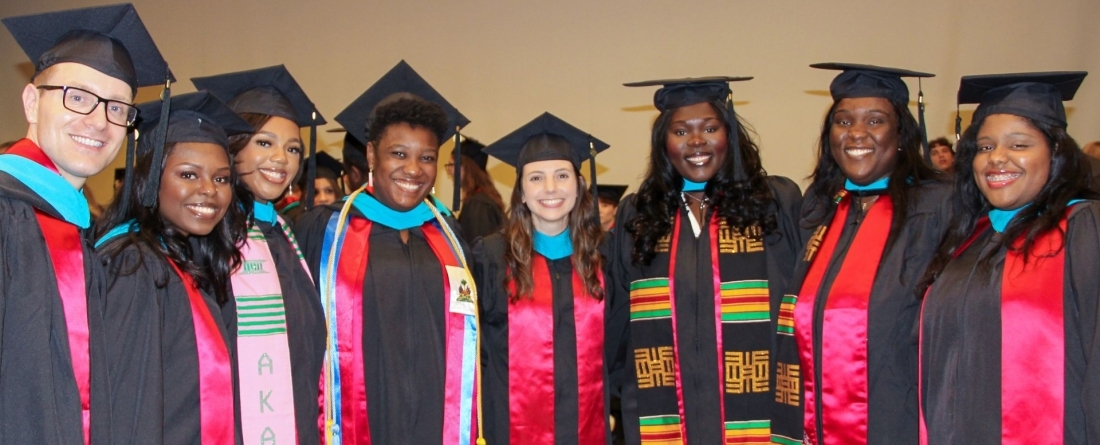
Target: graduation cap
195, 117
533, 142
859, 80
110, 39
120, 174
1036, 96
475, 150
271, 91
677, 93
612, 193
403, 79
327, 162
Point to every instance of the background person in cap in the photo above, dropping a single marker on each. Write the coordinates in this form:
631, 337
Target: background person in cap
328, 187
876, 212
482, 207
942, 155
88, 63
542, 295
268, 160
708, 237
389, 256
609, 197
1009, 326
168, 269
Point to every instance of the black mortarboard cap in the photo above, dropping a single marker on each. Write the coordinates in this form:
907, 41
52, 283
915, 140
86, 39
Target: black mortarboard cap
110, 39
514, 150
326, 161
400, 79
611, 192
354, 151
120, 174
475, 150
858, 80
676, 93
271, 91
1036, 96
195, 117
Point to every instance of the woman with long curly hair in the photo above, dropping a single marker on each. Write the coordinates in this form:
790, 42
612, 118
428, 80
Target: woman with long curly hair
542, 295
1010, 325
845, 367
169, 253
275, 315
700, 257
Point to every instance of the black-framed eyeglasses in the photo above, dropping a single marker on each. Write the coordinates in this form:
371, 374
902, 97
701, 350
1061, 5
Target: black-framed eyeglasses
85, 102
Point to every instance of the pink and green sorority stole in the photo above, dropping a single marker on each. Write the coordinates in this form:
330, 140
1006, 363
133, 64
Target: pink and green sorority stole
343, 269
263, 352
1032, 340
531, 384
742, 319
844, 381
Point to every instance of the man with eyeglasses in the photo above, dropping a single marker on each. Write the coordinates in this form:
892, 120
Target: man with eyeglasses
54, 386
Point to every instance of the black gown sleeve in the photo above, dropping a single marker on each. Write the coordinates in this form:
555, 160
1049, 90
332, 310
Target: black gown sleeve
617, 282
134, 319
310, 231
1083, 323
489, 270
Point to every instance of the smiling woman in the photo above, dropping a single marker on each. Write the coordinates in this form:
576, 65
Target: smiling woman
700, 256
1014, 290
877, 212
168, 270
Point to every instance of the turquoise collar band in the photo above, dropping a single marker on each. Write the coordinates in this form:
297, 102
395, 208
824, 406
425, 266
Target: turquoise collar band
379, 213
881, 184
691, 186
553, 247
61, 195
264, 212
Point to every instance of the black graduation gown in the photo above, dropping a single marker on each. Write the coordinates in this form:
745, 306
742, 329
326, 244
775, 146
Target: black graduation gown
305, 323
694, 309
39, 400
403, 328
489, 273
152, 349
893, 310
961, 349
480, 217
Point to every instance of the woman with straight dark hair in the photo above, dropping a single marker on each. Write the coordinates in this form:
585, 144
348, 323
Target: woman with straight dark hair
169, 253
1010, 326
542, 295
846, 369
275, 319
700, 258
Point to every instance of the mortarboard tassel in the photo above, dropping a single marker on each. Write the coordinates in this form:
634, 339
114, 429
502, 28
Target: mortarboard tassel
457, 201
128, 181
149, 195
738, 169
311, 169
923, 126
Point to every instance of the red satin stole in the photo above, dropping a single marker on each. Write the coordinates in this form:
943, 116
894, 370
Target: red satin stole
1033, 348
350, 276
67, 258
531, 385
216, 416
844, 327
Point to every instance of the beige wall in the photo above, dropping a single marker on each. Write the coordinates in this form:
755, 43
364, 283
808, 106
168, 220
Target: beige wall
502, 63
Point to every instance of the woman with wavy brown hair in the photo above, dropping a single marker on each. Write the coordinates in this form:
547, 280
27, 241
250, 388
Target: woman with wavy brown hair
701, 256
542, 295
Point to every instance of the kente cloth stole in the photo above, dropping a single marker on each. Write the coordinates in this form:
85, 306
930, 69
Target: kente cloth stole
345, 388
1033, 347
263, 351
216, 416
843, 383
67, 258
531, 385
742, 318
